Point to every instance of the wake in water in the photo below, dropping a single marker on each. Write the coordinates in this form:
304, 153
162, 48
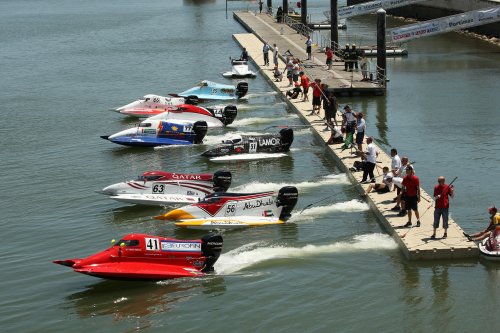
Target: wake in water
259, 120
259, 94
347, 206
254, 253
258, 106
302, 186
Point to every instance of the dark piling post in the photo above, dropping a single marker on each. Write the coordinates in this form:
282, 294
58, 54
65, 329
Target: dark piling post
303, 11
381, 47
285, 9
269, 6
334, 26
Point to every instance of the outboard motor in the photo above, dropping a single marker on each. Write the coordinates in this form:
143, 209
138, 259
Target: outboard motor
287, 198
241, 89
193, 100
286, 138
229, 113
211, 247
200, 129
222, 180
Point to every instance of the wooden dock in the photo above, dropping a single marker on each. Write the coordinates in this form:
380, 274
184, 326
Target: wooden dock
416, 244
343, 82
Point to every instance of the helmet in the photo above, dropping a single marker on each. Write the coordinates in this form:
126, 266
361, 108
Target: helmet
492, 210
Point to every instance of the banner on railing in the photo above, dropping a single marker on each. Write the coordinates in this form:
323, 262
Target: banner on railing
445, 24
372, 6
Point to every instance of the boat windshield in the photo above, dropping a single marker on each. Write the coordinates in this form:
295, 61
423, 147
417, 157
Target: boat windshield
233, 139
127, 242
211, 200
148, 178
145, 125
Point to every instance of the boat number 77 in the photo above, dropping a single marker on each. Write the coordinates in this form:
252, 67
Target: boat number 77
188, 128
214, 91
152, 244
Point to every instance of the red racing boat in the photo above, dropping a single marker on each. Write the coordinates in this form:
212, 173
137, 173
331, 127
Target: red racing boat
146, 257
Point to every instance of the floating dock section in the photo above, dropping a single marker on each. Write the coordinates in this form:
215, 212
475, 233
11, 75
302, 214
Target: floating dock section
415, 243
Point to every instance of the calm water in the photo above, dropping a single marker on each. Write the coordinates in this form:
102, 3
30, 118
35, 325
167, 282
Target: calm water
65, 63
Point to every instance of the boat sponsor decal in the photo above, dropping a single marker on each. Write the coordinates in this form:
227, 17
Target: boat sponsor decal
221, 222
171, 246
227, 91
268, 213
149, 131
269, 142
258, 203
160, 197
186, 177
213, 208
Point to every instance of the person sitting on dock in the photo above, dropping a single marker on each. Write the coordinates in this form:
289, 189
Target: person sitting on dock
370, 155
316, 102
336, 136
244, 55
411, 190
442, 192
304, 82
278, 75
295, 92
346, 57
329, 57
384, 187
494, 224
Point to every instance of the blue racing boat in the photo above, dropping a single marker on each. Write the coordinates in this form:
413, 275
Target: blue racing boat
157, 132
208, 90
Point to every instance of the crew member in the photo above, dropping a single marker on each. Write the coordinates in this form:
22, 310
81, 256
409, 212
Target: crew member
346, 57
385, 186
265, 51
295, 92
442, 193
244, 55
411, 190
370, 155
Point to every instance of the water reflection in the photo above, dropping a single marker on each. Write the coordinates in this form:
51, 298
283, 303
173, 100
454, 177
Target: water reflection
123, 300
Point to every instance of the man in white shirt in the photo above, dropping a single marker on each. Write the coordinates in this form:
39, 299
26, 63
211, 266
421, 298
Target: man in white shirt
370, 155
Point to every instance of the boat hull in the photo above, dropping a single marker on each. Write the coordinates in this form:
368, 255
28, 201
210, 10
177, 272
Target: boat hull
227, 223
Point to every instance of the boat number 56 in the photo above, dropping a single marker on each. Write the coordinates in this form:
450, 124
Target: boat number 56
230, 209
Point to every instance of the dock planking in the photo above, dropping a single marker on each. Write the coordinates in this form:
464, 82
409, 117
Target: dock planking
415, 243
345, 83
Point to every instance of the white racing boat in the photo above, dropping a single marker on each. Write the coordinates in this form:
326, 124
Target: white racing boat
216, 116
159, 188
236, 210
490, 247
151, 102
239, 70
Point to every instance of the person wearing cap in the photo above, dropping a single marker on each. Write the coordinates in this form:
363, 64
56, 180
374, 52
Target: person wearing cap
494, 224
345, 56
304, 82
265, 51
370, 155
411, 192
442, 193
399, 173
384, 187
360, 130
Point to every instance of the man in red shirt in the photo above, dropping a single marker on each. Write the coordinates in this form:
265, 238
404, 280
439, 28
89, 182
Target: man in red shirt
442, 192
411, 189
316, 85
304, 82
329, 57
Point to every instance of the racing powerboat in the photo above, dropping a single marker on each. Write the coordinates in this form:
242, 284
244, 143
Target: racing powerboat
216, 116
146, 257
251, 147
158, 188
490, 247
157, 132
239, 69
236, 210
208, 90
152, 102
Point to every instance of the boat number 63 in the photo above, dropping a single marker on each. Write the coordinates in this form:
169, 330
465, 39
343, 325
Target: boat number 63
158, 188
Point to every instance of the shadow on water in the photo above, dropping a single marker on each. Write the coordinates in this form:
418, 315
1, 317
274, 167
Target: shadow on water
138, 299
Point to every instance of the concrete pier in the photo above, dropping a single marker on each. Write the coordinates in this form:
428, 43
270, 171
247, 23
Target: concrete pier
344, 83
416, 243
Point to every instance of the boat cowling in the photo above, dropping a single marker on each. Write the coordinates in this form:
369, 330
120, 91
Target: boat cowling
222, 180
192, 99
241, 89
286, 138
211, 247
287, 198
200, 129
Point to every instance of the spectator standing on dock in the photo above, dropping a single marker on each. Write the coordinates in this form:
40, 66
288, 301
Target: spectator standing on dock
309, 47
279, 15
346, 57
275, 55
411, 189
385, 186
494, 224
304, 82
354, 57
244, 54
260, 6
360, 130
398, 181
395, 162
296, 71
331, 110
329, 57
363, 63
316, 102
348, 121
370, 155
289, 70
442, 194
265, 51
